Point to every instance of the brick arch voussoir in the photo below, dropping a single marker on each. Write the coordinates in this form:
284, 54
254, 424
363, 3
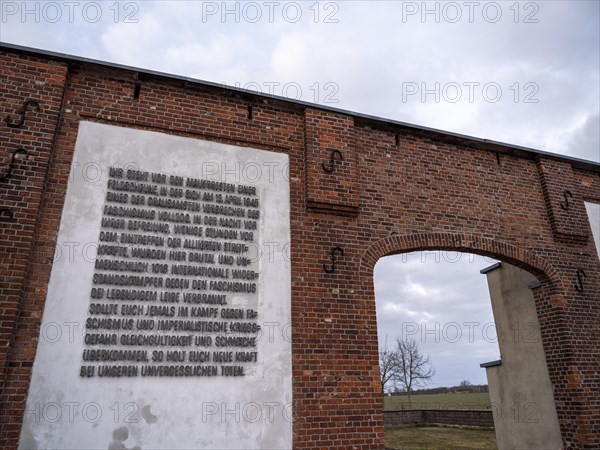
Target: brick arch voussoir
461, 242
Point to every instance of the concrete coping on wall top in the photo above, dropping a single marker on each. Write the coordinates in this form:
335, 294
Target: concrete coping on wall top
533, 285
485, 365
490, 268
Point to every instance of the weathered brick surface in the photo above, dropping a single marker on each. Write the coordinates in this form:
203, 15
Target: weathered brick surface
398, 190
464, 417
331, 162
566, 209
20, 198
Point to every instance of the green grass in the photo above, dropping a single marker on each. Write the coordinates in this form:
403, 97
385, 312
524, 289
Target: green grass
439, 401
438, 438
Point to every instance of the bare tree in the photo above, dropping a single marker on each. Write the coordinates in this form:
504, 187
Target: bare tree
465, 383
413, 368
388, 367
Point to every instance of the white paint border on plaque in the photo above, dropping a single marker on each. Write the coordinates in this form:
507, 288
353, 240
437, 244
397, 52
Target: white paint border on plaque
65, 410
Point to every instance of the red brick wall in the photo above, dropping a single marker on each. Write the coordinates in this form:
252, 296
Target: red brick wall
465, 417
397, 189
21, 272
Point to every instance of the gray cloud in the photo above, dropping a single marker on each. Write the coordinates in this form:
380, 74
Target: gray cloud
585, 142
441, 300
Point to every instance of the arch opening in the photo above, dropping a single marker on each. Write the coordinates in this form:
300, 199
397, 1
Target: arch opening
439, 299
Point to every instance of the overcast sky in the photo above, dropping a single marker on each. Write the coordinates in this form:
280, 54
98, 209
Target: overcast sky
526, 73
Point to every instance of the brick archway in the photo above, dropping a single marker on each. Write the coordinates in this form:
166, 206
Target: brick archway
548, 298
461, 242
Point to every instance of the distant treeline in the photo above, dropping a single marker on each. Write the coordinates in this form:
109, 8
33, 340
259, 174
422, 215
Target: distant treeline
473, 388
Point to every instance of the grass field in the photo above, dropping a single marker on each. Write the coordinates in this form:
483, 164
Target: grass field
439, 401
438, 438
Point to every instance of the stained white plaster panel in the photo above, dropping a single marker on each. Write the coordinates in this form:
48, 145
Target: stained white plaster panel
67, 411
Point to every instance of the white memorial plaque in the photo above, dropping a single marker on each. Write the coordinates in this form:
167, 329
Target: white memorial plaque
593, 212
167, 320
